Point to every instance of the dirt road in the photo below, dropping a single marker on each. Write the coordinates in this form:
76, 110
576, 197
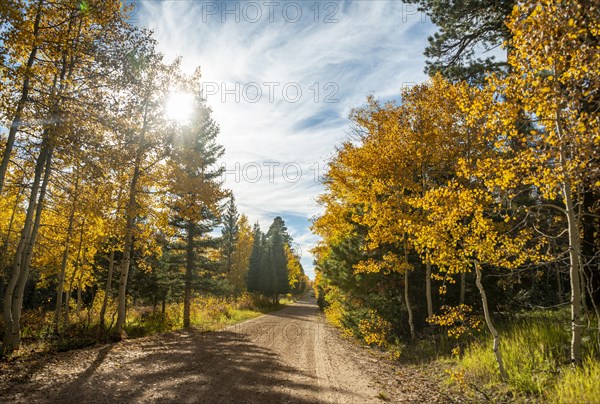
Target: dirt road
288, 356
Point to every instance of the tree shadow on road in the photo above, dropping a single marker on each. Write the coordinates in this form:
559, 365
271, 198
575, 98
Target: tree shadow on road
194, 368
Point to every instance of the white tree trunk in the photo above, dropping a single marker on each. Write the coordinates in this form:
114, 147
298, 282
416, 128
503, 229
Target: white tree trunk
406, 294
60, 288
574, 274
9, 324
490, 325
131, 214
26, 264
408, 306
107, 290
127, 252
574, 247
16, 122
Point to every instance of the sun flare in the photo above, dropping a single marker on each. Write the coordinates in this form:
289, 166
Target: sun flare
179, 107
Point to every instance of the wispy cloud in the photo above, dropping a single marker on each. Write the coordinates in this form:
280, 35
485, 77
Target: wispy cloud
375, 47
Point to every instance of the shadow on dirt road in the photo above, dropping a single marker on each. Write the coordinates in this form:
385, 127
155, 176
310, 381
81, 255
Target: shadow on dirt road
288, 356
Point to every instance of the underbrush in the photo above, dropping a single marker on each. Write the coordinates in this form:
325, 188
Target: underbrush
579, 385
535, 349
208, 313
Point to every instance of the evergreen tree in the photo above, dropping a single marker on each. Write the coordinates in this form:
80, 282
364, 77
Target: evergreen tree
252, 280
196, 191
268, 273
466, 28
230, 233
278, 238
267, 281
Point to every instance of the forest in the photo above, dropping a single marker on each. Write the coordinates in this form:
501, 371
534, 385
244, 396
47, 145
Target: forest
463, 221
459, 224
111, 208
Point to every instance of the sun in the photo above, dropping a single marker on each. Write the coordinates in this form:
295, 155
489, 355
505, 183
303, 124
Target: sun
179, 107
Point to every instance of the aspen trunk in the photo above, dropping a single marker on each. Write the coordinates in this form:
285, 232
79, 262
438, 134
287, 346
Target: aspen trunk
22, 282
490, 325
25, 250
7, 311
428, 289
78, 304
408, 306
6, 244
574, 250
131, 214
16, 122
75, 272
79, 287
127, 252
18, 304
406, 295
107, 289
189, 271
60, 288
121, 311
574, 274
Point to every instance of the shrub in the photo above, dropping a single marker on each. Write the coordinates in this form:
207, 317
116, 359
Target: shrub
374, 330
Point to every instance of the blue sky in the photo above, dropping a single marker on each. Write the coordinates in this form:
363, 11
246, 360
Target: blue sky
281, 78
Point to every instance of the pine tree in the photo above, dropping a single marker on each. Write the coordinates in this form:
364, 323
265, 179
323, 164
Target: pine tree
466, 27
196, 191
267, 281
230, 234
278, 239
252, 280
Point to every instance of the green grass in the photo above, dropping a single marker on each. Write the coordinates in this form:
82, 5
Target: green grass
233, 316
208, 313
578, 385
535, 349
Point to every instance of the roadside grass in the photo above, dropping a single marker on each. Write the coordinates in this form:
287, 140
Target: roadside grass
580, 385
535, 348
208, 313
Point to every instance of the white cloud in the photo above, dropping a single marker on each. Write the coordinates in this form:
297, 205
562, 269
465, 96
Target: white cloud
375, 47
